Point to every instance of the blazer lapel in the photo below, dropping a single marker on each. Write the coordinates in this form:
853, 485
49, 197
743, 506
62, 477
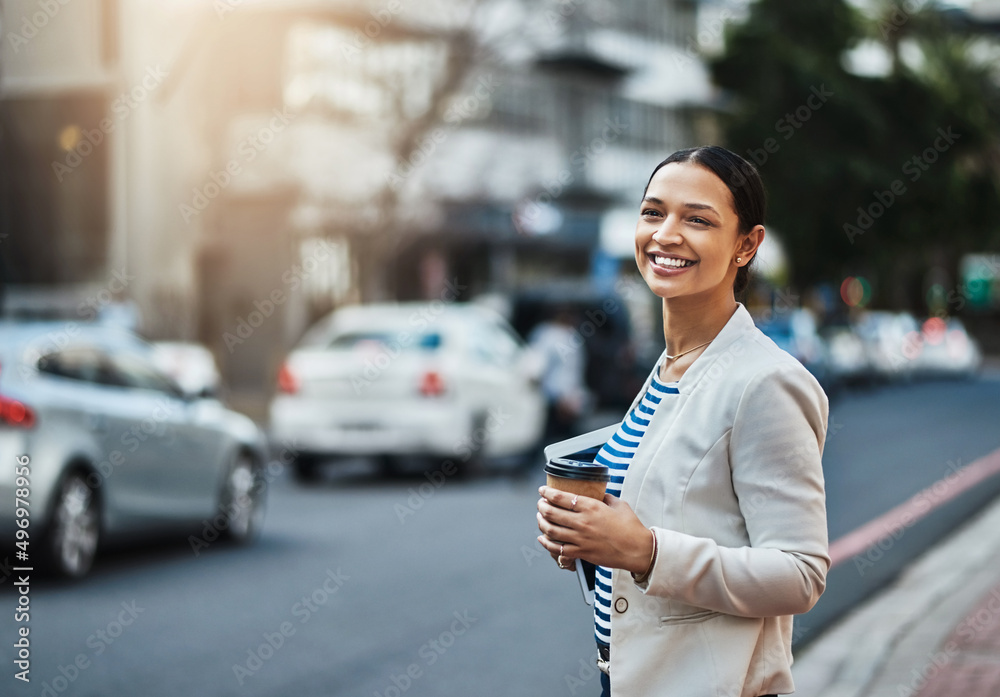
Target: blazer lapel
723, 347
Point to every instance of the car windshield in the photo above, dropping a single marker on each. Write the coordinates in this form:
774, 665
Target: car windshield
377, 341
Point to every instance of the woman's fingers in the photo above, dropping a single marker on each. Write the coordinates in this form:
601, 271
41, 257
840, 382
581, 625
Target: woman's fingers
562, 553
568, 515
565, 563
566, 521
554, 514
563, 499
554, 531
557, 549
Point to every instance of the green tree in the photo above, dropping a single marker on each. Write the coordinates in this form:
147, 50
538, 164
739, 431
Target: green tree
885, 176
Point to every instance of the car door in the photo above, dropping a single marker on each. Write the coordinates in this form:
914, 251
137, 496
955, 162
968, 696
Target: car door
89, 395
180, 460
522, 392
511, 403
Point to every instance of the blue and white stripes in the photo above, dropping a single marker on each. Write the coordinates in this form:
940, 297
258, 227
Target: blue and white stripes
617, 453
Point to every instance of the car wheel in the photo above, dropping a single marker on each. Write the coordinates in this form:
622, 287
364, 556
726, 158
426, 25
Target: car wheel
242, 500
387, 466
76, 527
306, 469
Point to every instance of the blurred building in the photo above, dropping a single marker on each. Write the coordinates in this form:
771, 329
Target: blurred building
541, 180
231, 169
145, 163
56, 84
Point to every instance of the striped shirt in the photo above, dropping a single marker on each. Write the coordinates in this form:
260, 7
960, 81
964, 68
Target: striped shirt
617, 454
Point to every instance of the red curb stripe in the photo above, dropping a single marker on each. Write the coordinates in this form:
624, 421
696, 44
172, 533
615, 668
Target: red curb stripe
918, 506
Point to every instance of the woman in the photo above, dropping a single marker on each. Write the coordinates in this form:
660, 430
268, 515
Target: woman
713, 531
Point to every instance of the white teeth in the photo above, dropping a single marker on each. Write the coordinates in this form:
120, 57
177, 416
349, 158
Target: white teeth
672, 263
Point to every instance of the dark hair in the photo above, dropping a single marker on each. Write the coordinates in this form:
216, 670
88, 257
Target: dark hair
743, 182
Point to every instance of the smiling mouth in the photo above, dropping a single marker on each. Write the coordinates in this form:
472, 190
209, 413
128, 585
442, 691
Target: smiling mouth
671, 262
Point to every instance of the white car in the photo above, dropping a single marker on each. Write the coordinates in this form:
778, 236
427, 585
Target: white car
449, 381
848, 355
948, 350
893, 343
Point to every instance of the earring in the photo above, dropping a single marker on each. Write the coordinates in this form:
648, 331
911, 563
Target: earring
739, 259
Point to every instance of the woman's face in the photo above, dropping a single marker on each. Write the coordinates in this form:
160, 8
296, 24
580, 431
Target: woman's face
688, 238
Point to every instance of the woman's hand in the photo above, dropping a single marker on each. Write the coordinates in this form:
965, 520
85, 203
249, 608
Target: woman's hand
607, 533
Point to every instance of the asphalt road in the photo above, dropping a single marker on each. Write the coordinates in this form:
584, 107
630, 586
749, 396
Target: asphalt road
362, 587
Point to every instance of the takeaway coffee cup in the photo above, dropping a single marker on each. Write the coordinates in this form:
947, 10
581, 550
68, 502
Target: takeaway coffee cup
576, 477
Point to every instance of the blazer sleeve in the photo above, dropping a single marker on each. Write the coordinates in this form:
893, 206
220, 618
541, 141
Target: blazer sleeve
775, 452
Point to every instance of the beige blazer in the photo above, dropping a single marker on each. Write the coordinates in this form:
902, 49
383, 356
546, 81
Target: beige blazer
728, 475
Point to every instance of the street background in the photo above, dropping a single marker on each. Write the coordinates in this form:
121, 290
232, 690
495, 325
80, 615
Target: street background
456, 181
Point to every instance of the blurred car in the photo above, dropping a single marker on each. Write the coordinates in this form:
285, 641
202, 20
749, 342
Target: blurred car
117, 450
191, 366
410, 379
947, 349
795, 332
847, 355
893, 343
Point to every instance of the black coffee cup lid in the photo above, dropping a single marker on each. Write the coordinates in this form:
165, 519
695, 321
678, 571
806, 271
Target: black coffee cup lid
575, 469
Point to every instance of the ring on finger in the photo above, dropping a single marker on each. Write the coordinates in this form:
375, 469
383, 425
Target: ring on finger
575, 497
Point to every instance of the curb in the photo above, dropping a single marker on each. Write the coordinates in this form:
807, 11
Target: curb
885, 646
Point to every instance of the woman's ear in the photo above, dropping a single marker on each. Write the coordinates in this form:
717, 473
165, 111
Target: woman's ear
750, 243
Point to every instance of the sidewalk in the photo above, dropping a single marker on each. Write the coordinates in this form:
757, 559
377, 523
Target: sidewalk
934, 633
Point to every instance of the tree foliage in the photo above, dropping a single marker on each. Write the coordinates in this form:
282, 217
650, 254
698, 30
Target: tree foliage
887, 176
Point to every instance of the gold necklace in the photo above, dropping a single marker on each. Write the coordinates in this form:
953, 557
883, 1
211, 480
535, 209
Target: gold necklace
671, 358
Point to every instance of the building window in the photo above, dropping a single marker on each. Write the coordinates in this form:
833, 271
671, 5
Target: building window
53, 189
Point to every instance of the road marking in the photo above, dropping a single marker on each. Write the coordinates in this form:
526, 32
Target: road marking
909, 512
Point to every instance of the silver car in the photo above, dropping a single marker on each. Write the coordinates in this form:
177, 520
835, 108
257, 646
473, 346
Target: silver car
115, 448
